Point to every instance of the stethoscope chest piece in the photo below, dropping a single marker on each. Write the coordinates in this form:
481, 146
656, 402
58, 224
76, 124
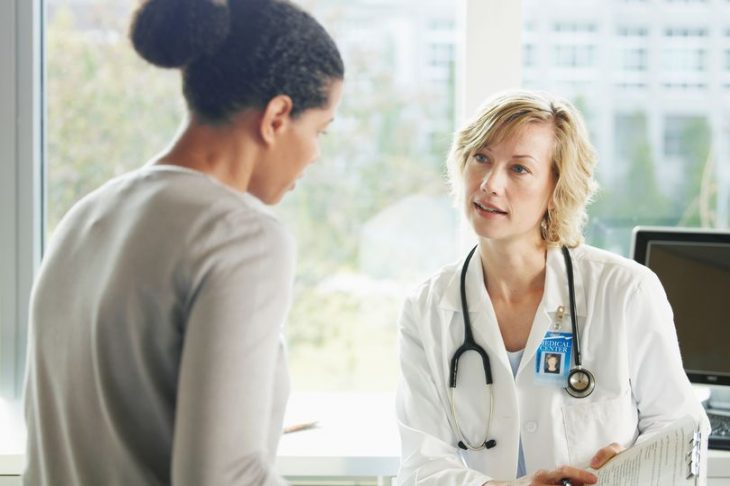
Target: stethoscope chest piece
580, 382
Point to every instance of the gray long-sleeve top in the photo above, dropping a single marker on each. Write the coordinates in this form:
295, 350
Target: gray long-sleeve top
155, 352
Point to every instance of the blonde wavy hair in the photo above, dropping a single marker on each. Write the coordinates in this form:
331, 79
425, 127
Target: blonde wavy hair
574, 158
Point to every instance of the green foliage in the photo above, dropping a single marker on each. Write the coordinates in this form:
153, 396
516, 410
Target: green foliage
637, 198
637, 195
347, 342
377, 153
108, 112
696, 141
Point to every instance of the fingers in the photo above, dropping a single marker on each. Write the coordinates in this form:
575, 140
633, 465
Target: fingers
603, 455
577, 476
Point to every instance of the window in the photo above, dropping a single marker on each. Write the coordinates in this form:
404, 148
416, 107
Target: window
685, 137
661, 159
445, 25
528, 55
572, 56
632, 48
634, 59
684, 56
440, 60
96, 85
358, 213
340, 282
574, 44
380, 172
632, 31
685, 32
575, 27
684, 60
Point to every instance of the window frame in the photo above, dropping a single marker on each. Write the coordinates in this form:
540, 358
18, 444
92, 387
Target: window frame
21, 181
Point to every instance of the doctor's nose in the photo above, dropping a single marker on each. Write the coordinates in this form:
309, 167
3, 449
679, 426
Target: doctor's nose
492, 183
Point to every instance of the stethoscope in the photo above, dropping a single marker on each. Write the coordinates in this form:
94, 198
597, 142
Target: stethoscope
580, 381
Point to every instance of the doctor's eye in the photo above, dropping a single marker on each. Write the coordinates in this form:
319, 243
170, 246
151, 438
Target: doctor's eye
520, 169
480, 158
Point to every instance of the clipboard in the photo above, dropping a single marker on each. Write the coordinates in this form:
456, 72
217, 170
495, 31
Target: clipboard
671, 455
694, 456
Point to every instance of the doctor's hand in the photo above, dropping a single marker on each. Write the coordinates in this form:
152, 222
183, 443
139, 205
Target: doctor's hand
576, 477
603, 455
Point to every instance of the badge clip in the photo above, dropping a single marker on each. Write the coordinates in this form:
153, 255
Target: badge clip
559, 315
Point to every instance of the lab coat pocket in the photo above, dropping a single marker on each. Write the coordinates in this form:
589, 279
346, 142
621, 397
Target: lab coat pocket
482, 460
592, 425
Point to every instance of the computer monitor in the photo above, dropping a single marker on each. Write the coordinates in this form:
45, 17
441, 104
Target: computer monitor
693, 265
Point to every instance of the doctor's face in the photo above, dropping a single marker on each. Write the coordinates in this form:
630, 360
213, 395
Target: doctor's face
507, 185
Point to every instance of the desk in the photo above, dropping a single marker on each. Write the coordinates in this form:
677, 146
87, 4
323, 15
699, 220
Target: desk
356, 438
356, 435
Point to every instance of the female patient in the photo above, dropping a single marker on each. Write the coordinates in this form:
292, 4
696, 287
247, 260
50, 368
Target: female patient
155, 353
522, 172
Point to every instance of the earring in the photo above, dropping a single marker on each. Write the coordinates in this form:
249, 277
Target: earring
545, 224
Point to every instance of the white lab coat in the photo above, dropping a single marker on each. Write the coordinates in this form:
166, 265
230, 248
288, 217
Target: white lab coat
628, 342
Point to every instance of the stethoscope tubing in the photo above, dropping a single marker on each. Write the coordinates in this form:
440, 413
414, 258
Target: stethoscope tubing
573, 314
470, 345
464, 440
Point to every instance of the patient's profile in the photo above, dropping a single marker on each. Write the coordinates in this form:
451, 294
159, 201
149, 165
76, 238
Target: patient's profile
551, 363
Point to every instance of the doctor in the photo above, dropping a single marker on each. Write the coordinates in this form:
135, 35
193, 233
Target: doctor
548, 379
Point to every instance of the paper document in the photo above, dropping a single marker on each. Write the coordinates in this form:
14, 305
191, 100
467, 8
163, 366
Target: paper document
669, 457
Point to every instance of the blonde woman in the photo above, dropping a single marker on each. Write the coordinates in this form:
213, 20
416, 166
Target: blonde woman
475, 404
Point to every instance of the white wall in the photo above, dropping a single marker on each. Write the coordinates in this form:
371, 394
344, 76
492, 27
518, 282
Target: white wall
492, 52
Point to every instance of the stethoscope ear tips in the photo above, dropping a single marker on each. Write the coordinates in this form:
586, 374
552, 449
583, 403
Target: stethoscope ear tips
488, 444
580, 383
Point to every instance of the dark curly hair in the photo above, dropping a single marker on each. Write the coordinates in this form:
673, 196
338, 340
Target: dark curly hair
238, 54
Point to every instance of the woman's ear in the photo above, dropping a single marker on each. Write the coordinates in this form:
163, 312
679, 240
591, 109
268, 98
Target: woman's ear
551, 198
275, 117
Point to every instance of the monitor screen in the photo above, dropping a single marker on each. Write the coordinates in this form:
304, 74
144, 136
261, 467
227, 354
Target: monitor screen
694, 268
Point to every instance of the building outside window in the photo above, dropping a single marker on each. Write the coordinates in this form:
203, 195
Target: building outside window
575, 56
632, 49
660, 125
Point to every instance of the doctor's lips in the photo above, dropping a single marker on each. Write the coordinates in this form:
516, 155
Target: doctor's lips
489, 208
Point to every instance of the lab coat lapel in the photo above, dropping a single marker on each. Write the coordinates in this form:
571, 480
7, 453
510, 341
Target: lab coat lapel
555, 294
472, 403
483, 319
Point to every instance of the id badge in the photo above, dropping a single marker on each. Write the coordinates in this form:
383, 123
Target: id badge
553, 358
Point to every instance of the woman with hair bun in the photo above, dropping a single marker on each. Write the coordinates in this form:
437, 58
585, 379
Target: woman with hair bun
155, 352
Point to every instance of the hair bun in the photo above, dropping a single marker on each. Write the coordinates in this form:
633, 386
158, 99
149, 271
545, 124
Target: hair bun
173, 33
